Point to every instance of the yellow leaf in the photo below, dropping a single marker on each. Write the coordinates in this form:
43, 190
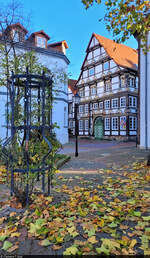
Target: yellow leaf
133, 243
100, 223
92, 240
16, 234
70, 230
71, 250
2, 220
12, 214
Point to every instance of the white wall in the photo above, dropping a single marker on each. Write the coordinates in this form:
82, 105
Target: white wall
57, 65
144, 98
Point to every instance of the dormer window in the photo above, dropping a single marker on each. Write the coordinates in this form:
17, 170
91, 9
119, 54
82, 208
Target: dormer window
41, 42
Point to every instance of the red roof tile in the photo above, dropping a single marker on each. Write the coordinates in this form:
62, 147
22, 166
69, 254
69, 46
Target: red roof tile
72, 86
122, 55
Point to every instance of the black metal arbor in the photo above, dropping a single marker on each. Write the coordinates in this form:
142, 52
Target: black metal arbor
37, 89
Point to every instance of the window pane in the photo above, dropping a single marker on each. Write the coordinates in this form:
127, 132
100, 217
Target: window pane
91, 71
106, 65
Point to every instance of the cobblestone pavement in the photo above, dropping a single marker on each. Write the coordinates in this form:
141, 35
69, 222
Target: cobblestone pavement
96, 154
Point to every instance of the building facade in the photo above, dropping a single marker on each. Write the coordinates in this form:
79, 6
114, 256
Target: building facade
108, 87
53, 56
145, 97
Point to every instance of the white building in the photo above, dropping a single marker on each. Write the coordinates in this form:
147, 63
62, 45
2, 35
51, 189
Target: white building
53, 56
145, 97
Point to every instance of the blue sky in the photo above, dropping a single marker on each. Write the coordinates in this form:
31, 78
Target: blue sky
68, 20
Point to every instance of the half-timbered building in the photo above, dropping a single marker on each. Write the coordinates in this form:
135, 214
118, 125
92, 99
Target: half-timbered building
108, 87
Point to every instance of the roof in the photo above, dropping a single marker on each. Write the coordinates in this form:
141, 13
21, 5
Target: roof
19, 25
40, 32
71, 86
58, 43
121, 54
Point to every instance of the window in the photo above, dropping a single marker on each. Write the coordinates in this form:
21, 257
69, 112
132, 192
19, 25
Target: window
41, 42
89, 56
96, 52
91, 71
123, 123
81, 93
85, 74
106, 65
70, 124
15, 35
107, 104
80, 124
114, 123
93, 90
123, 102
114, 103
132, 101
86, 124
132, 123
101, 105
107, 123
86, 108
98, 68
81, 109
122, 82
132, 82
107, 86
95, 106
112, 64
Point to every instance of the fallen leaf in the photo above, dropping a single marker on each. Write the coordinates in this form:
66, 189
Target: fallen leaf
92, 240
13, 248
15, 234
56, 247
45, 242
71, 250
7, 245
133, 243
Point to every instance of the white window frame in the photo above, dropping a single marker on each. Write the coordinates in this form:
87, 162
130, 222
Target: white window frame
81, 93
91, 70
123, 102
114, 103
40, 42
107, 62
80, 124
81, 109
107, 123
114, 123
86, 108
85, 74
86, 123
95, 106
93, 90
107, 104
132, 101
132, 123
15, 35
101, 105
